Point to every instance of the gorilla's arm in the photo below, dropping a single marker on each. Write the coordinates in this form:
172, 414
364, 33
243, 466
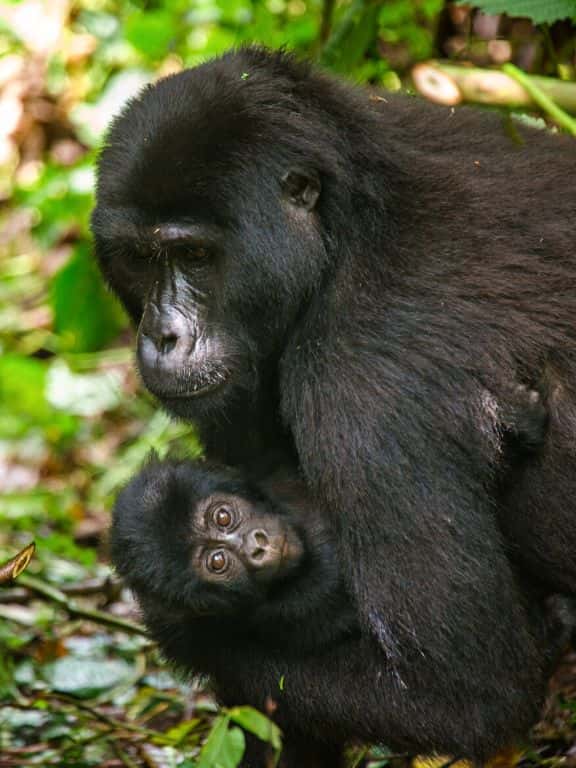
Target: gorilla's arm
416, 522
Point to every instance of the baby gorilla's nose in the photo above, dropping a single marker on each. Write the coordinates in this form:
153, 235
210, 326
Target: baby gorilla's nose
257, 547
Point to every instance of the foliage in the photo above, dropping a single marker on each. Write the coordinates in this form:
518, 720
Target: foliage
540, 12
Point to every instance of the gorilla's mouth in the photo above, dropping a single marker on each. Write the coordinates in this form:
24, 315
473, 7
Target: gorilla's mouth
184, 385
196, 391
291, 550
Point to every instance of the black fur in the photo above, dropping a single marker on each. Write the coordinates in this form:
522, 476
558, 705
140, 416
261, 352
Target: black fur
300, 649
376, 340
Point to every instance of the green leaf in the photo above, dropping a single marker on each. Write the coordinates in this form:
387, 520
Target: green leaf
180, 732
539, 11
22, 383
23, 402
255, 722
86, 316
351, 36
83, 394
152, 33
61, 200
224, 747
86, 677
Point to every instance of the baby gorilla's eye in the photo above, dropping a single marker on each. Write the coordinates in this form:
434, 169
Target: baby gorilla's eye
222, 517
218, 561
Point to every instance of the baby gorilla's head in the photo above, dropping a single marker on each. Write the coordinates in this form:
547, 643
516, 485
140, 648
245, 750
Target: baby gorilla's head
237, 539
204, 539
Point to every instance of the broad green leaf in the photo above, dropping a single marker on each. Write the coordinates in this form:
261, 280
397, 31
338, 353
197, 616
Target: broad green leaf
351, 36
83, 394
255, 722
23, 402
22, 383
152, 33
235, 746
86, 316
86, 677
180, 732
224, 747
539, 11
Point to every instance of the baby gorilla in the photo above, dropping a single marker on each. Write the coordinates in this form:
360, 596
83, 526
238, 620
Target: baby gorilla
202, 538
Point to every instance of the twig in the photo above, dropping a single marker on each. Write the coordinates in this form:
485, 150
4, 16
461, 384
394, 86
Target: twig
97, 586
541, 99
72, 607
123, 756
112, 722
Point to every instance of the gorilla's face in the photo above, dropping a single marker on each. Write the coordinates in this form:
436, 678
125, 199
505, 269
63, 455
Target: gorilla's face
207, 229
199, 538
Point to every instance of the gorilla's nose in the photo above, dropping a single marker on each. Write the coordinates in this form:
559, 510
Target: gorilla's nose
165, 343
257, 548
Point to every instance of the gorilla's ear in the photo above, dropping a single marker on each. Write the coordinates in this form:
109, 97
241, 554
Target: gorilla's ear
302, 188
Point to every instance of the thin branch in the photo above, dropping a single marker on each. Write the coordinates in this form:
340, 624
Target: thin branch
106, 586
74, 609
541, 99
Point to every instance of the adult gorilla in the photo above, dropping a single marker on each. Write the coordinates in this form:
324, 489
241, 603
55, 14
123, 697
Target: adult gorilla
360, 282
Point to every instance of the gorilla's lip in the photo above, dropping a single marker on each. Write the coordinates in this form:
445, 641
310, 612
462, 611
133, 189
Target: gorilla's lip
185, 391
290, 551
190, 394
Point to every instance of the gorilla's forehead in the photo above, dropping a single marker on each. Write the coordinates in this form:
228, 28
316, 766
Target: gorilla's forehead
187, 137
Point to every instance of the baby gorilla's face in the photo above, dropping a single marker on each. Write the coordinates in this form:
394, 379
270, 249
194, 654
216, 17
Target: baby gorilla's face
234, 539
203, 540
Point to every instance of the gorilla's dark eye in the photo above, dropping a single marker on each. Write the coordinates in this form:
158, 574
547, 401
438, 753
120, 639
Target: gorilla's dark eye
199, 254
190, 251
223, 517
218, 561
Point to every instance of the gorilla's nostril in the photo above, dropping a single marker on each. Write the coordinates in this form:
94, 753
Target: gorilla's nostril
258, 553
168, 342
261, 538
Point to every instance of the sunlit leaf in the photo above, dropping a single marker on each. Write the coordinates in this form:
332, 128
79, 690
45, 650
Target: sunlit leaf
224, 747
152, 33
84, 394
254, 721
352, 35
86, 316
536, 10
23, 403
86, 678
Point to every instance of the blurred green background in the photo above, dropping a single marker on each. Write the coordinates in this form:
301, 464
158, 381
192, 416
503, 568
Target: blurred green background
74, 422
